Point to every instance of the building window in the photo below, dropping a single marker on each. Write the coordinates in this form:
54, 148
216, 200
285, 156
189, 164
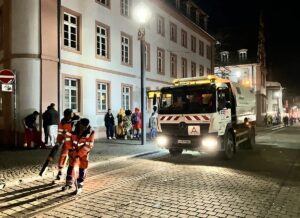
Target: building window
160, 25
105, 3
103, 40
147, 56
126, 49
71, 31
126, 97
71, 98
201, 70
125, 7
173, 65
208, 72
173, 32
193, 44
184, 67
193, 69
208, 52
160, 61
275, 107
102, 97
184, 38
201, 48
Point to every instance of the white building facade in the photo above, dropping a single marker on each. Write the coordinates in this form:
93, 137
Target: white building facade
97, 65
274, 102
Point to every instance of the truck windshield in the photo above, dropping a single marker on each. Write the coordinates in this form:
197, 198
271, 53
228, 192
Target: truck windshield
188, 99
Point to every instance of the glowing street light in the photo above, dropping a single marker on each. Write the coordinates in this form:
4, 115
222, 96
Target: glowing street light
142, 15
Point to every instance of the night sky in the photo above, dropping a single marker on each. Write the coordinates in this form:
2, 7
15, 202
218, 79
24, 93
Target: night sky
240, 19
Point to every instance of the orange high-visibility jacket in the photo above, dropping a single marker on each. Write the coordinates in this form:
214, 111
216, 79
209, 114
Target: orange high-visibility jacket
82, 144
64, 131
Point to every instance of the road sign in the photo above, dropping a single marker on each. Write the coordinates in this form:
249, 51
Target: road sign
7, 76
7, 87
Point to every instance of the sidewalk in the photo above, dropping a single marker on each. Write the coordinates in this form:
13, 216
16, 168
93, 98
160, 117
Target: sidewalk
23, 166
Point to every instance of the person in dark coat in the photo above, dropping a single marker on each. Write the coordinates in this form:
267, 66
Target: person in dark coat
45, 118
32, 135
109, 124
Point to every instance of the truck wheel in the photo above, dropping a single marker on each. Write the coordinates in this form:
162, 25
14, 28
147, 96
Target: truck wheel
175, 151
229, 147
250, 143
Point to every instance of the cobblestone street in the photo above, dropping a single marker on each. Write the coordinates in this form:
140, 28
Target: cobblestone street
264, 182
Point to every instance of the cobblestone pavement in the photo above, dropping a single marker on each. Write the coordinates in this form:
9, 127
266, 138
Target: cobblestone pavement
264, 182
24, 165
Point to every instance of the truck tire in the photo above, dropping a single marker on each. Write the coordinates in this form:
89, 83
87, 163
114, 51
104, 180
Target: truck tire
175, 151
229, 147
250, 143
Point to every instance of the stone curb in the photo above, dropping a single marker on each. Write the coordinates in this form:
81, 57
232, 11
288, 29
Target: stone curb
92, 165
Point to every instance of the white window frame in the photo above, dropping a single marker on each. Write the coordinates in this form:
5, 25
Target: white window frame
69, 88
99, 46
126, 97
160, 25
125, 8
71, 25
125, 45
100, 92
160, 61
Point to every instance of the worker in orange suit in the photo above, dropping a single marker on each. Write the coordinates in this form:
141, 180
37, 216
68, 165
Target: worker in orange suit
64, 138
82, 141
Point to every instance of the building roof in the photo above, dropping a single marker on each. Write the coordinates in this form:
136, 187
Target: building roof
272, 84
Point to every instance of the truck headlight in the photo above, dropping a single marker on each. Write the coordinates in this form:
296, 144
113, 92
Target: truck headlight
162, 141
210, 143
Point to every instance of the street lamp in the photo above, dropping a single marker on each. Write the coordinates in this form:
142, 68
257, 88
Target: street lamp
142, 15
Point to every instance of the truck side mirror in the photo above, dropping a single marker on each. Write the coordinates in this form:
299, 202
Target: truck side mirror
154, 99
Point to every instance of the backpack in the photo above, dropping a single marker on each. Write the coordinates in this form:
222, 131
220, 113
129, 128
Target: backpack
136, 118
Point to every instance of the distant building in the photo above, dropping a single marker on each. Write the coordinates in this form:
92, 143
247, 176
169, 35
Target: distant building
247, 67
97, 65
274, 99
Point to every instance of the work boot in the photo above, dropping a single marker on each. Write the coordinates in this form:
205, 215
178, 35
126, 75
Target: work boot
68, 185
59, 176
79, 188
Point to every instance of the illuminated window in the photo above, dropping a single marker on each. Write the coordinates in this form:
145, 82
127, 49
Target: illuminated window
102, 97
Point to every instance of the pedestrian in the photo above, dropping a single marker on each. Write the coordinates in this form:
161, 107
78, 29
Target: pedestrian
137, 123
128, 124
32, 135
82, 139
120, 126
64, 139
53, 121
153, 123
45, 118
109, 124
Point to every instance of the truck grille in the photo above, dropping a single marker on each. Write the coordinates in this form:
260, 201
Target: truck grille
181, 129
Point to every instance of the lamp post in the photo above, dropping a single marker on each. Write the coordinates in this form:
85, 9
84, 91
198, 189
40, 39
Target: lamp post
142, 15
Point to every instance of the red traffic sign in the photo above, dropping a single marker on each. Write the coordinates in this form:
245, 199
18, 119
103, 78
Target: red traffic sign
7, 76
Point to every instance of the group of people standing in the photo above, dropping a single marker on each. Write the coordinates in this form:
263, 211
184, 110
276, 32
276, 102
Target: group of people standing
129, 125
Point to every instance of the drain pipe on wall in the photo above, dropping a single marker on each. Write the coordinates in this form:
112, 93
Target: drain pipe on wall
58, 54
